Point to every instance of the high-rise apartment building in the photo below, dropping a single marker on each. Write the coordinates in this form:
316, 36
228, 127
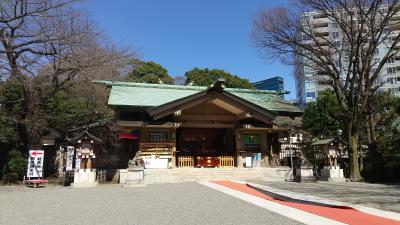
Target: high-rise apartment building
309, 82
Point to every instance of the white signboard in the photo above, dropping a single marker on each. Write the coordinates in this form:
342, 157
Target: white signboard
35, 163
69, 158
248, 161
155, 163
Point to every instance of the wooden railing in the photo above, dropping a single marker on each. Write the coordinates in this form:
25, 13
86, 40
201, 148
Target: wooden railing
166, 146
226, 161
186, 161
163, 149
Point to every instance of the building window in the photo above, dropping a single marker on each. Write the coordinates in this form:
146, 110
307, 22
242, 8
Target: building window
394, 91
391, 70
158, 137
325, 83
311, 94
335, 34
336, 44
376, 52
306, 37
390, 60
310, 85
338, 63
335, 25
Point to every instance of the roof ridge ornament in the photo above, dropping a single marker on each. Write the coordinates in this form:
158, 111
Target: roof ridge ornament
218, 85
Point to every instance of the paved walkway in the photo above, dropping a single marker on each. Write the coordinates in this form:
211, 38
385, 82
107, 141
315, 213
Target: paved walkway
222, 202
381, 196
183, 203
306, 209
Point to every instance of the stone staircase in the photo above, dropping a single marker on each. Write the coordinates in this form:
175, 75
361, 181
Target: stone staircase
155, 176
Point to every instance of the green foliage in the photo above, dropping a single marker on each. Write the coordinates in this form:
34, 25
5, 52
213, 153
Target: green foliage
386, 110
11, 97
8, 135
205, 77
148, 72
321, 118
15, 167
65, 111
9, 103
81, 105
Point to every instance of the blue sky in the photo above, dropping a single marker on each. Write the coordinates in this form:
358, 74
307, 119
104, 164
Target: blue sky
183, 34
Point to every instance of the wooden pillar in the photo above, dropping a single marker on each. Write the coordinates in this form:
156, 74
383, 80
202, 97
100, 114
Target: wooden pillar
89, 164
265, 148
239, 153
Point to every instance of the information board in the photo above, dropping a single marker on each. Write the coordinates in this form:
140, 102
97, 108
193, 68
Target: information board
35, 163
249, 139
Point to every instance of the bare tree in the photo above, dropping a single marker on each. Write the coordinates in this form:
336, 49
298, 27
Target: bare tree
44, 45
349, 65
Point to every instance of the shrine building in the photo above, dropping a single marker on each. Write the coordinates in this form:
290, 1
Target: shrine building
194, 126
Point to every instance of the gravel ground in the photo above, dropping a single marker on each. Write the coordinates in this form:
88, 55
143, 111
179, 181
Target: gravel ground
184, 203
380, 196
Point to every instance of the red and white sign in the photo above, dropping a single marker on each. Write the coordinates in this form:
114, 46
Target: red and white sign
35, 163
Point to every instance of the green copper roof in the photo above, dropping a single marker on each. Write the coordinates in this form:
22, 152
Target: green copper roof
145, 96
271, 102
152, 95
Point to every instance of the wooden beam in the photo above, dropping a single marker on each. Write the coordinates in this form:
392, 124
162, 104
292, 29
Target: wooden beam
125, 123
207, 125
202, 117
162, 125
245, 115
254, 128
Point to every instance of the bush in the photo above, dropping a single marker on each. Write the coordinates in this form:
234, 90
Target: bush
15, 167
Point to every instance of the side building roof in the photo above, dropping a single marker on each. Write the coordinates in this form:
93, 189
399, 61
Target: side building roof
153, 95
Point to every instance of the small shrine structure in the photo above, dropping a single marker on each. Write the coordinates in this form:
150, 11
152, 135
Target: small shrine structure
331, 149
85, 155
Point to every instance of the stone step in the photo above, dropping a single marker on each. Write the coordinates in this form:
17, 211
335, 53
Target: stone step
153, 176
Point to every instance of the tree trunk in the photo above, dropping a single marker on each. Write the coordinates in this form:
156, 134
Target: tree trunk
352, 138
23, 136
375, 157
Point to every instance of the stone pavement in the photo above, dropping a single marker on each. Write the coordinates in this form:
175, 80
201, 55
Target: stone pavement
182, 203
380, 196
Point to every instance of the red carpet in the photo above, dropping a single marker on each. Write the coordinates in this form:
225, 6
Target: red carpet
348, 216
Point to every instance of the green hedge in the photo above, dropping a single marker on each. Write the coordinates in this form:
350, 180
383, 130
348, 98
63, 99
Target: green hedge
15, 167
